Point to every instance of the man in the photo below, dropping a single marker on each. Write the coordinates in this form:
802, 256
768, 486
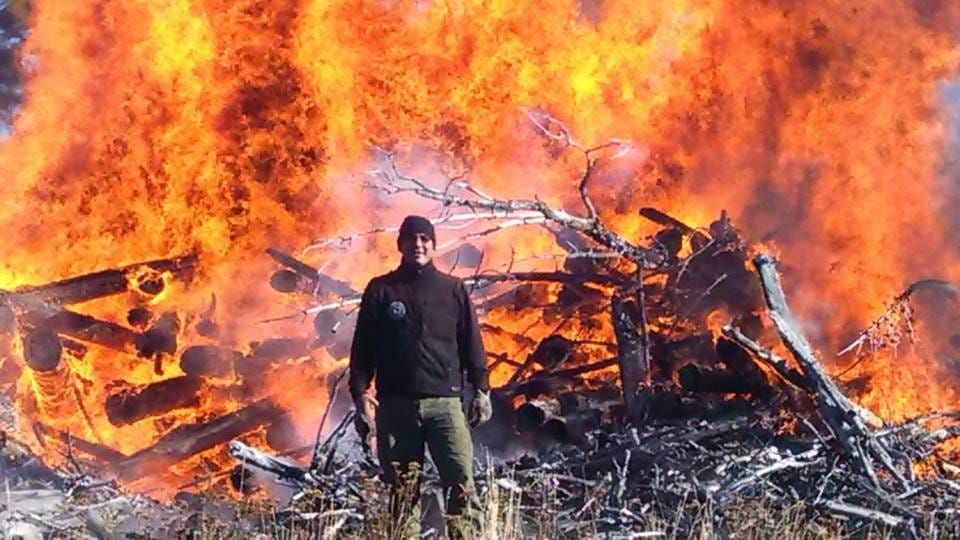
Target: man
417, 334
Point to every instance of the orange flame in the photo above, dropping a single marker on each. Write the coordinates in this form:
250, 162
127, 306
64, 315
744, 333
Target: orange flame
159, 128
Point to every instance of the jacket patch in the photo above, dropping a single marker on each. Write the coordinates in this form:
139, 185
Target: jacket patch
396, 310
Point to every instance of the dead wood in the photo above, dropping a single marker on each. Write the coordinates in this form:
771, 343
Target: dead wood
850, 510
534, 413
86, 328
286, 472
154, 399
661, 218
209, 361
836, 410
104, 283
632, 351
42, 349
316, 281
694, 378
769, 359
190, 439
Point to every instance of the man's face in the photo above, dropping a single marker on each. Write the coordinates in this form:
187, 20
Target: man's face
417, 249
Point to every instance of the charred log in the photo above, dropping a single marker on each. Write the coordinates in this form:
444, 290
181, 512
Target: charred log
139, 317
106, 282
858, 443
532, 414
42, 350
154, 399
632, 350
281, 348
777, 364
318, 282
694, 378
287, 281
90, 329
161, 338
209, 361
553, 351
667, 220
188, 440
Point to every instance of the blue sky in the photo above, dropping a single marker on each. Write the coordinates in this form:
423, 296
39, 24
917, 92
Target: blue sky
952, 92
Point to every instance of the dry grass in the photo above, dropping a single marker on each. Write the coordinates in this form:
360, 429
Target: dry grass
505, 517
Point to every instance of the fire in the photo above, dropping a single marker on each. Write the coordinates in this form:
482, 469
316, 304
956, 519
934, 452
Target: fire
154, 129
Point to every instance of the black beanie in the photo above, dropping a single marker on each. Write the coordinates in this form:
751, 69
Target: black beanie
416, 224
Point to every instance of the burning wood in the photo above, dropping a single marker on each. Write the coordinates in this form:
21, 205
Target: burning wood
304, 277
154, 399
187, 440
209, 361
147, 277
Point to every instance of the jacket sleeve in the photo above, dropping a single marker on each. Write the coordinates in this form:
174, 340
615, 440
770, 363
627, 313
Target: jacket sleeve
473, 357
362, 353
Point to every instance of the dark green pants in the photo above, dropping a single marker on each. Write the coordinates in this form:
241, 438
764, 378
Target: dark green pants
404, 425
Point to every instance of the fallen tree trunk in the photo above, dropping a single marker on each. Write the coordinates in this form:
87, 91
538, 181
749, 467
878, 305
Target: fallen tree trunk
90, 329
533, 414
153, 399
318, 282
632, 350
188, 440
103, 283
209, 361
694, 378
856, 440
777, 364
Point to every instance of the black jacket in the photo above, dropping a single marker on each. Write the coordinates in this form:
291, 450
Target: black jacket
417, 333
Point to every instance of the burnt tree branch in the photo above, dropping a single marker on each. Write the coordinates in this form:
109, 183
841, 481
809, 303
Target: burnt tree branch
856, 440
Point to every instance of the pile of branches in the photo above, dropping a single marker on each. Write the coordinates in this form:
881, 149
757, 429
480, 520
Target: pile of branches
672, 434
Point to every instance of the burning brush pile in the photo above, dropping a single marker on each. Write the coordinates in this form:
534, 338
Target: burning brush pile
707, 390
171, 326
689, 406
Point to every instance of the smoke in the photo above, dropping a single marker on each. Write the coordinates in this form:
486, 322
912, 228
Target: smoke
12, 34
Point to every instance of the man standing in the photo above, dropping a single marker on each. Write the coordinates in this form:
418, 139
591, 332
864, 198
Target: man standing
417, 334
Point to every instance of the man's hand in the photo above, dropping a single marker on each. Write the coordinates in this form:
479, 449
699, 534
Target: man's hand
363, 421
480, 409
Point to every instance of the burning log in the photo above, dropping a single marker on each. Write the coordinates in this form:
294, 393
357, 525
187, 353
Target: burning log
316, 281
53, 381
287, 281
154, 399
553, 351
103, 454
209, 361
632, 349
836, 410
667, 220
90, 329
777, 364
533, 414
281, 348
42, 350
161, 338
694, 378
139, 317
190, 439
105, 283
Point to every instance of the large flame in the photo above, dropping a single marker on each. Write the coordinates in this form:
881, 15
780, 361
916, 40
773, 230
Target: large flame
155, 128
